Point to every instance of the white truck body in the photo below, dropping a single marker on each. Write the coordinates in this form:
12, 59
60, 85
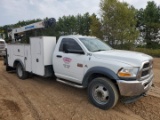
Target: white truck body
82, 61
34, 56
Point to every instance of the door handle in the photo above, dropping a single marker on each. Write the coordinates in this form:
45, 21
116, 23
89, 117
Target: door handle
59, 56
37, 60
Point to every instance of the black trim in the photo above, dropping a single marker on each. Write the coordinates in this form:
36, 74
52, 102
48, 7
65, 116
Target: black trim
131, 99
68, 81
18, 60
49, 71
99, 70
6, 58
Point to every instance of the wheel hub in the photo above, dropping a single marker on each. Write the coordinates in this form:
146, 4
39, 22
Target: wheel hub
101, 94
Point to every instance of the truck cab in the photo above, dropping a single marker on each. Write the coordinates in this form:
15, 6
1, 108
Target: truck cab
107, 73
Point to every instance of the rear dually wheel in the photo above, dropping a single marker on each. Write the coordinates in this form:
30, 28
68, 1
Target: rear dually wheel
21, 73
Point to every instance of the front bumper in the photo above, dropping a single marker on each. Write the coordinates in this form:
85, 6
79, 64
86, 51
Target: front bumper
133, 88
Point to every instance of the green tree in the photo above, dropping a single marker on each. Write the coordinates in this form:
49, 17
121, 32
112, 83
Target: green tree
140, 17
83, 24
86, 24
79, 24
95, 27
152, 22
65, 25
119, 23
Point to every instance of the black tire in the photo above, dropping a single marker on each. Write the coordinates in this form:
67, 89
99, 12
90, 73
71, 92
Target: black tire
21, 73
103, 93
8, 68
4, 60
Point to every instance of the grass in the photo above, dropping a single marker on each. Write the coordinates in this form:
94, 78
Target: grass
152, 52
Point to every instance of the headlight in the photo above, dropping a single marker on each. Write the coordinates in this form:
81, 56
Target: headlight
128, 72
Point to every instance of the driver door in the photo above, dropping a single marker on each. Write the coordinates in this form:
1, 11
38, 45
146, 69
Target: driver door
70, 66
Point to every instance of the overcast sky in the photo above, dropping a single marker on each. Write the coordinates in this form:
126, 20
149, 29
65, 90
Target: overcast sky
12, 11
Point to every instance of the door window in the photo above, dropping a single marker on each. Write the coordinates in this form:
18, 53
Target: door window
72, 44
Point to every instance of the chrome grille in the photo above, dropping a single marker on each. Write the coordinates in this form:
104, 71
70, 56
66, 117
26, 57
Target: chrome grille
144, 73
146, 65
146, 69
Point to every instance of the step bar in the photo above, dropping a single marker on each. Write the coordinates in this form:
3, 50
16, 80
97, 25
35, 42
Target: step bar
70, 83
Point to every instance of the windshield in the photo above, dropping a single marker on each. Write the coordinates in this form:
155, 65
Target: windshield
94, 44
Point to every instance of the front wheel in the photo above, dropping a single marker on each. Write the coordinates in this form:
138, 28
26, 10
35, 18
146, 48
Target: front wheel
21, 73
103, 93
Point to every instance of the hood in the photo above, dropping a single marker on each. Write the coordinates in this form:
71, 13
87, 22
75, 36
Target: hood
128, 57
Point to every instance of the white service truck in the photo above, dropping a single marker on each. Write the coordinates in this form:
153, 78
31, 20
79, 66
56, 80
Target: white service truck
85, 62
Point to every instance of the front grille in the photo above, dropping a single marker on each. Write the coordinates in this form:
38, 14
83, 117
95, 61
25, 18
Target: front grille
146, 69
146, 65
144, 73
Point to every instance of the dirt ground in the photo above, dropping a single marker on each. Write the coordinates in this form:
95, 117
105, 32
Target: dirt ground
38, 98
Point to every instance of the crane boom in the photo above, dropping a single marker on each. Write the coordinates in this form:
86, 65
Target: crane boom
38, 25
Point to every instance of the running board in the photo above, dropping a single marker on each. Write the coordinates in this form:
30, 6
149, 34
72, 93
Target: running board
69, 83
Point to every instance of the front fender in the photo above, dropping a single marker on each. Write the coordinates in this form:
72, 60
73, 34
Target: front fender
99, 70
